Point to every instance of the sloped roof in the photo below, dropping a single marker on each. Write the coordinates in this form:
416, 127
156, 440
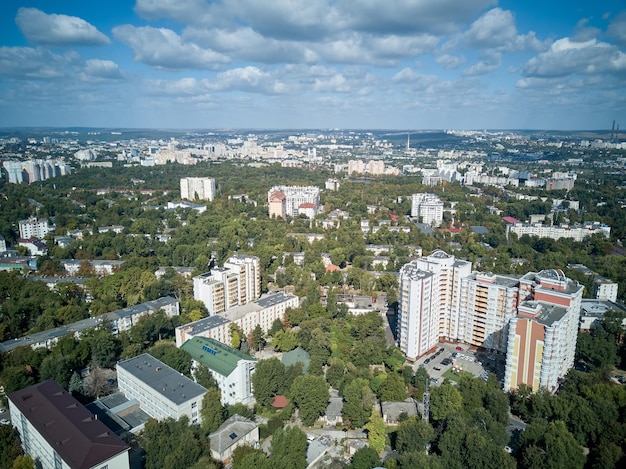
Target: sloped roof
297, 355
76, 435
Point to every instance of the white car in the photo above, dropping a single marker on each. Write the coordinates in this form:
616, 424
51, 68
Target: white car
2, 410
5, 422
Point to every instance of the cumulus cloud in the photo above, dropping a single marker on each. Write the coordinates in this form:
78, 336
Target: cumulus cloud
249, 79
567, 57
164, 48
488, 64
57, 30
450, 61
102, 69
35, 63
493, 29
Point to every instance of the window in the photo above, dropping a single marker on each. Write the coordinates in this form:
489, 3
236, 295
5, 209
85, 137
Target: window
194, 405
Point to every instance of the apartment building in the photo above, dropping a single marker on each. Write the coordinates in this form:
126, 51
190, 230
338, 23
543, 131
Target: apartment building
223, 288
199, 188
429, 301
285, 201
542, 337
57, 431
161, 391
231, 369
263, 312
488, 302
573, 232
427, 208
35, 228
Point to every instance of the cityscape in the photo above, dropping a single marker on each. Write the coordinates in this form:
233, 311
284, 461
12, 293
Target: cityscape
316, 234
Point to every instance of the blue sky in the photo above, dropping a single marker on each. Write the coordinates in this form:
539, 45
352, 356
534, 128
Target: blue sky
401, 64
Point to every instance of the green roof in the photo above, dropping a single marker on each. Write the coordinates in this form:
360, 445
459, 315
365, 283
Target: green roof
297, 355
223, 361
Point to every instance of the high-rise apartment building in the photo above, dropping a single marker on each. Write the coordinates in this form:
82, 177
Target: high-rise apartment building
542, 337
223, 288
284, 201
427, 208
430, 293
487, 304
35, 228
197, 188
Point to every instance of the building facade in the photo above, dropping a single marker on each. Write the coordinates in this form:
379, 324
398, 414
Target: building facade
427, 208
231, 369
201, 188
161, 391
430, 295
284, 201
35, 228
58, 432
573, 232
542, 337
223, 288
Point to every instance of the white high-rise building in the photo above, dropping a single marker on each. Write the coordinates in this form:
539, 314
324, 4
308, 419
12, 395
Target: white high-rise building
430, 301
197, 188
427, 208
235, 284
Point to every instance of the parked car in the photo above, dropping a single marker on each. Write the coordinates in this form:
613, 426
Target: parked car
436, 368
460, 349
426, 361
441, 350
3, 410
5, 422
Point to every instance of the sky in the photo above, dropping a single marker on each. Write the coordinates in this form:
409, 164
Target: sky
305, 64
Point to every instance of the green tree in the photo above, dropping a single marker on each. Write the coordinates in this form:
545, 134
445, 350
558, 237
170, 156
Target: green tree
172, 356
545, 444
413, 434
10, 447
365, 458
393, 388
245, 457
203, 377
212, 412
258, 338
310, 394
358, 402
288, 449
268, 380
284, 341
445, 400
23, 461
376, 431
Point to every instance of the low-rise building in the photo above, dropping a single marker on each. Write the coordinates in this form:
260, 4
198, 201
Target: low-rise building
234, 432
231, 369
161, 391
57, 431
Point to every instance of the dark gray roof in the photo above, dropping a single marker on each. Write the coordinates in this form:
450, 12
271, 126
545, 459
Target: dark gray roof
206, 324
162, 378
273, 299
81, 440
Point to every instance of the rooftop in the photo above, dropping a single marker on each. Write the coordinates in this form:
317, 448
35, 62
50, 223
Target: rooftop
230, 432
162, 378
215, 355
76, 435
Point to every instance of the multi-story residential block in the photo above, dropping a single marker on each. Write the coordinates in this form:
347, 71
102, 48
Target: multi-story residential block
487, 304
332, 184
284, 201
574, 232
99, 266
231, 369
57, 431
429, 300
223, 288
35, 228
605, 289
201, 188
161, 391
427, 208
542, 337
35, 246
263, 312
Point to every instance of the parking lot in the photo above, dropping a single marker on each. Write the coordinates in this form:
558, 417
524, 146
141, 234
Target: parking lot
460, 356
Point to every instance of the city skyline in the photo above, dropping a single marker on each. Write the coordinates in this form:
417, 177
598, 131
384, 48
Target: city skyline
418, 64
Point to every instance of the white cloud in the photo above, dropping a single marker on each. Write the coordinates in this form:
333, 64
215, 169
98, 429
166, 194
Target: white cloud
450, 61
488, 64
57, 30
36, 63
102, 69
249, 79
493, 29
567, 57
164, 48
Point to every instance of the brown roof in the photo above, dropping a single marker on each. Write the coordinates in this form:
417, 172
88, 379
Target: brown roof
277, 196
280, 402
76, 435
